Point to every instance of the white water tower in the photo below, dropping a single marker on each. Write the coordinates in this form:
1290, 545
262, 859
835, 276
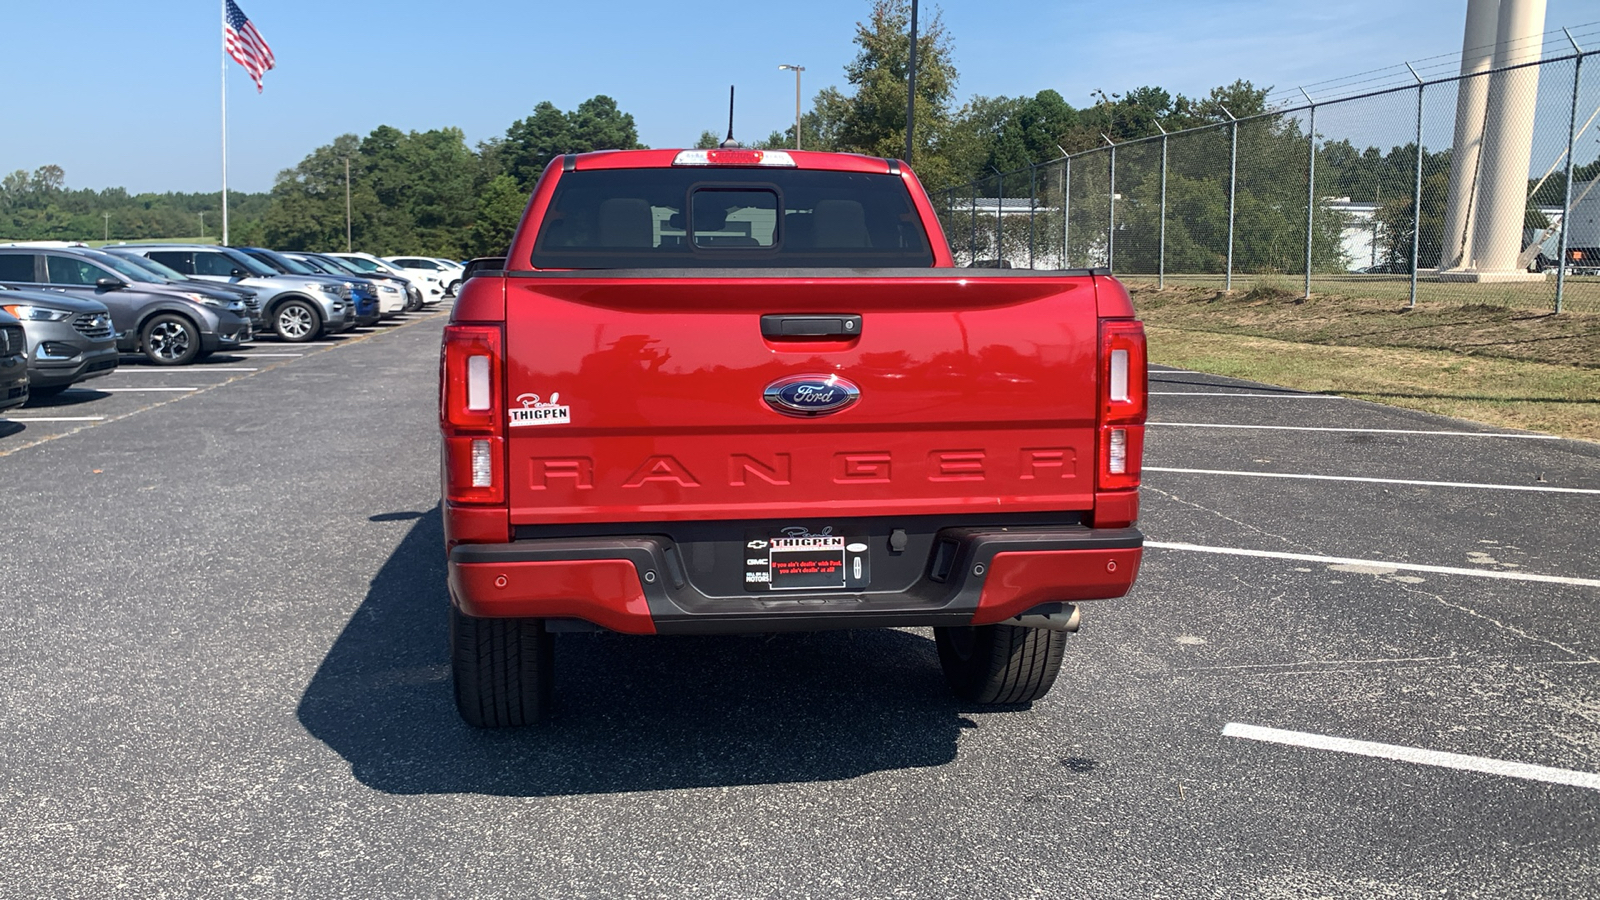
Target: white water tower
1493, 142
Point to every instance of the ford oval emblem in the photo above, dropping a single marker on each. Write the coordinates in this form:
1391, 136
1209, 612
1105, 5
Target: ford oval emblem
811, 395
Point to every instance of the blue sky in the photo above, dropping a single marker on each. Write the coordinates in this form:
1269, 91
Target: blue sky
127, 94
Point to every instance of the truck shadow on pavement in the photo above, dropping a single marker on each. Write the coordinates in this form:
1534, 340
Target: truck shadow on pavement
631, 713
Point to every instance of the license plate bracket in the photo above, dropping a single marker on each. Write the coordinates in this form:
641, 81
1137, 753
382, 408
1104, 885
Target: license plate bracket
799, 559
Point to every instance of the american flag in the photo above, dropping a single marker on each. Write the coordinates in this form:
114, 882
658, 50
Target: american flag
245, 44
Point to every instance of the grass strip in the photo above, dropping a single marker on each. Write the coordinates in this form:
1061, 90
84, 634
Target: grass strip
1507, 393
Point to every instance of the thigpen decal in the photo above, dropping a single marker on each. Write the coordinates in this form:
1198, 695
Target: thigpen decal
534, 411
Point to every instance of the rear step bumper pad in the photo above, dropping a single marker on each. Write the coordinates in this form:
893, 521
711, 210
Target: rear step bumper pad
636, 585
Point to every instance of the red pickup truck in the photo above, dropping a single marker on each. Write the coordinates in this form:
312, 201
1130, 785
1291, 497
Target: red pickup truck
720, 391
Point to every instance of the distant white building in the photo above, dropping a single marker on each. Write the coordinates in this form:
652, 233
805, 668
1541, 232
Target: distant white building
1363, 247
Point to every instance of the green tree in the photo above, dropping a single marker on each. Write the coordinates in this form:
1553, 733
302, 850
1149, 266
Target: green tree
500, 207
39, 205
409, 193
873, 119
597, 124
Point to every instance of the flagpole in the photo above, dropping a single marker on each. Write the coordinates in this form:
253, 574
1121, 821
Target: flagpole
223, 5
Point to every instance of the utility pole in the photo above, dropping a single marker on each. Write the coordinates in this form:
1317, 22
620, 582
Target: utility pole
202, 224
797, 70
347, 204
911, 84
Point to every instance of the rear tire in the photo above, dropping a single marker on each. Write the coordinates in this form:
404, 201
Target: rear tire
1000, 664
502, 669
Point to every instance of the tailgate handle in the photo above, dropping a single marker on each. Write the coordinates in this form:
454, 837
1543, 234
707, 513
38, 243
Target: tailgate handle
790, 327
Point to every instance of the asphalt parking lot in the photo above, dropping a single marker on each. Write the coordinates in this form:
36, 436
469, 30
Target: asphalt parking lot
1361, 660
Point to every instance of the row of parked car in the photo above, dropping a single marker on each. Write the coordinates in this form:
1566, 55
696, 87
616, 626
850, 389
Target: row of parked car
68, 311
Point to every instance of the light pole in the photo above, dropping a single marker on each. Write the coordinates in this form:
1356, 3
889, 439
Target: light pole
347, 204
107, 217
911, 84
796, 70
202, 224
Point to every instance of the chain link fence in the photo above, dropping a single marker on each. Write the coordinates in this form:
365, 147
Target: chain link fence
1331, 198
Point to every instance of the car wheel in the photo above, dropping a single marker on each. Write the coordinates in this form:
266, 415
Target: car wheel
502, 669
169, 339
1000, 664
297, 321
453, 287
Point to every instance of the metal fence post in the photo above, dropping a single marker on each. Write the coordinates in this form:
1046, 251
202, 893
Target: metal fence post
1066, 213
1033, 203
1233, 190
1566, 202
999, 219
1111, 208
1161, 240
1311, 188
1416, 195
974, 220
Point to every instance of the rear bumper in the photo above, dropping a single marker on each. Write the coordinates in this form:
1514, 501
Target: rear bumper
636, 584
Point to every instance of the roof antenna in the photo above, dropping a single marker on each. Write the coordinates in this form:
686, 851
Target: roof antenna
730, 142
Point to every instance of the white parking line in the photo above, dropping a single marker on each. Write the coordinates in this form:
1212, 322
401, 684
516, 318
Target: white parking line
1484, 764
53, 418
187, 370
1286, 396
253, 355
1376, 564
1493, 434
1546, 489
134, 390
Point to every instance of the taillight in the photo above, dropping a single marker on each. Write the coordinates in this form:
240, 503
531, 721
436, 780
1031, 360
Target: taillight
472, 413
1124, 387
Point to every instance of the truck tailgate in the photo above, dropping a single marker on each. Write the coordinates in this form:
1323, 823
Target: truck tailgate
641, 398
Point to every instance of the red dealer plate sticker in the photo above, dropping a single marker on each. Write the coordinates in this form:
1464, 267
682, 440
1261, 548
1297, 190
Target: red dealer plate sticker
798, 560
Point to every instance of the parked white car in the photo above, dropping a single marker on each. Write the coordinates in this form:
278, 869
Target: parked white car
427, 267
430, 288
457, 270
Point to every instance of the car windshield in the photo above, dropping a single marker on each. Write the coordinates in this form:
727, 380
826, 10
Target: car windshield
293, 265
129, 270
335, 264
246, 262
314, 265
153, 267
364, 265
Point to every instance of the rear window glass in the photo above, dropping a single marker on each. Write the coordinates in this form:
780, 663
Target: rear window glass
16, 267
710, 217
179, 260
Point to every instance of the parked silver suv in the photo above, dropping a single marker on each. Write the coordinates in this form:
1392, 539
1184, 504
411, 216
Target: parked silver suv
169, 325
69, 338
297, 308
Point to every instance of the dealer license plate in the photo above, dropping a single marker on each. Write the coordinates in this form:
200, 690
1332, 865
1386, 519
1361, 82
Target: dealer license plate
798, 560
